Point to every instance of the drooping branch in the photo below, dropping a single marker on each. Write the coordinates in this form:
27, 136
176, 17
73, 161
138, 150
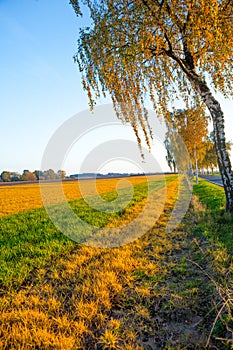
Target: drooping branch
161, 49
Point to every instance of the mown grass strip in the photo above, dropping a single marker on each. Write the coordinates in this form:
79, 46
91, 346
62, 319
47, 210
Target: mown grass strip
211, 195
218, 225
29, 240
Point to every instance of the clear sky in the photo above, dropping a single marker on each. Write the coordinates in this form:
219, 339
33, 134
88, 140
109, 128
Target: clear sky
40, 84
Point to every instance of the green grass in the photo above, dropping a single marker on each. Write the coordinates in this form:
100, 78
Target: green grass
29, 240
26, 240
211, 195
218, 225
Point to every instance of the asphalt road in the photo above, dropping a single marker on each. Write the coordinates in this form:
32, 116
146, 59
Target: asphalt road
212, 178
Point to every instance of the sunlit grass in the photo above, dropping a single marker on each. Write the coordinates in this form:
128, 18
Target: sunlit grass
71, 296
20, 198
68, 300
28, 239
219, 225
211, 195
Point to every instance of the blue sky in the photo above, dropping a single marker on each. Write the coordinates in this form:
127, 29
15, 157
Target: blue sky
40, 84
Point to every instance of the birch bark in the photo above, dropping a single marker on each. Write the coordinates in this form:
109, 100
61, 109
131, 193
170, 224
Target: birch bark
196, 165
219, 136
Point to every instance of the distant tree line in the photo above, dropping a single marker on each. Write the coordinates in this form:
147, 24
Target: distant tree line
50, 174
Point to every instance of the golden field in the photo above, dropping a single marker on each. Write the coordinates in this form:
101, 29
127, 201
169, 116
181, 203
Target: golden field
90, 298
21, 198
148, 294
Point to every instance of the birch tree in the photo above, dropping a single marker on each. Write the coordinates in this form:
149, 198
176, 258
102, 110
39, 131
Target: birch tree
192, 126
209, 156
170, 156
164, 50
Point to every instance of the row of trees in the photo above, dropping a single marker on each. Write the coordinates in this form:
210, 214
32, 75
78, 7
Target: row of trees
162, 50
50, 174
192, 128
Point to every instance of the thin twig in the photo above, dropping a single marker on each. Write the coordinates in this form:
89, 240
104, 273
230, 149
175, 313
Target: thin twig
215, 320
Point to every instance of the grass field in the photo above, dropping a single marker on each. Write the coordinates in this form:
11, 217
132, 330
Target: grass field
154, 293
20, 198
28, 238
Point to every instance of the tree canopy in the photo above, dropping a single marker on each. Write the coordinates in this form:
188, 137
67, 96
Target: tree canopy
140, 47
163, 50
192, 127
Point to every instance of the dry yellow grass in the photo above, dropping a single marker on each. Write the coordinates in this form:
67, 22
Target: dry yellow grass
20, 198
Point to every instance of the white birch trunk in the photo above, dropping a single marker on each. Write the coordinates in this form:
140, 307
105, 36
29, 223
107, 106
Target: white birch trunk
219, 136
196, 165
